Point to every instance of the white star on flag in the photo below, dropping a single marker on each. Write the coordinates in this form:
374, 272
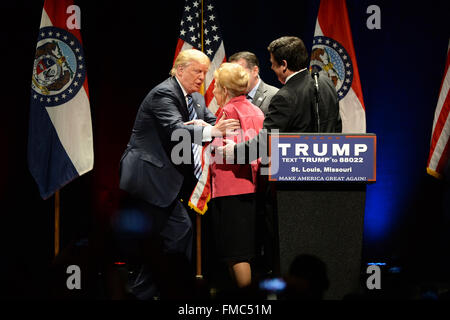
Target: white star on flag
190, 34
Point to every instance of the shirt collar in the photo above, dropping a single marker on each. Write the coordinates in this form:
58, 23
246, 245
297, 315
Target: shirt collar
252, 92
182, 88
288, 78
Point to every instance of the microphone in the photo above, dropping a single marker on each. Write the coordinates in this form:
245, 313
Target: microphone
316, 80
315, 76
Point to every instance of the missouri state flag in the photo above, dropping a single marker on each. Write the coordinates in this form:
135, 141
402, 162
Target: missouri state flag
333, 55
60, 144
440, 145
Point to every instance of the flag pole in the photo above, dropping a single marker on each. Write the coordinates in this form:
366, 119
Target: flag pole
57, 244
198, 218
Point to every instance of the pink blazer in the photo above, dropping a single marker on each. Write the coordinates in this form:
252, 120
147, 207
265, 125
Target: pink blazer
234, 179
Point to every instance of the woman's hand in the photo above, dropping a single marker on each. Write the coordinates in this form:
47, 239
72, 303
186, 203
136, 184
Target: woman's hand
225, 127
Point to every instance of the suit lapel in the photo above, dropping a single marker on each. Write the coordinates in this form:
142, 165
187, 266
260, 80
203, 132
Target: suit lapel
259, 97
181, 105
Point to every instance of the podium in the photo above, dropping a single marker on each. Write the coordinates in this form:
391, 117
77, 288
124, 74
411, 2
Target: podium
320, 183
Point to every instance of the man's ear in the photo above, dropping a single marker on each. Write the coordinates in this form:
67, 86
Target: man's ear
180, 69
255, 70
284, 64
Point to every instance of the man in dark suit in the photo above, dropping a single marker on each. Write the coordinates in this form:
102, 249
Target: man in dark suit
291, 109
259, 92
157, 170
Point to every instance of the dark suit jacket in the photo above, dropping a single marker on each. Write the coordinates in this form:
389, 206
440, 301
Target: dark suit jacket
146, 169
291, 109
263, 95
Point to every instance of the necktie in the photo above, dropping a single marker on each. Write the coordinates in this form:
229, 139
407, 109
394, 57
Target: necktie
196, 150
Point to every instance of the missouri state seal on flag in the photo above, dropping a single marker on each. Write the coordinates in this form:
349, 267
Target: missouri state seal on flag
60, 144
58, 69
333, 55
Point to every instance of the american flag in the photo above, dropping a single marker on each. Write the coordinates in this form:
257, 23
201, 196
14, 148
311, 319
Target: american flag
210, 41
206, 36
440, 139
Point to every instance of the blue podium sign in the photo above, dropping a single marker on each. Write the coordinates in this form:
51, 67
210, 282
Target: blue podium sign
322, 157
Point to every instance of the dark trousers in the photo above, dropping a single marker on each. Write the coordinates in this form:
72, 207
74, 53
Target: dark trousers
148, 238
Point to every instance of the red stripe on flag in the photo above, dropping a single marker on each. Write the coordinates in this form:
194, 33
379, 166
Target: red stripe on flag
333, 19
53, 8
85, 86
447, 65
57, 12
335, 24
444, 158
206, 195
440, 124
209, 93
178, 48
437, 159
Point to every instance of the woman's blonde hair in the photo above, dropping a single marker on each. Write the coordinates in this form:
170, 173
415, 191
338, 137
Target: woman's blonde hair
187, 56
233, 77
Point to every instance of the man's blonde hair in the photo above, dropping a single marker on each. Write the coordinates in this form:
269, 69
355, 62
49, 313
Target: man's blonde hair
233, 77
187, 56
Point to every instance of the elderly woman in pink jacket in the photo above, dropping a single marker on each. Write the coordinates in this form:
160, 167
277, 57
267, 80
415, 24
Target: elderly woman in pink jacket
233, 204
